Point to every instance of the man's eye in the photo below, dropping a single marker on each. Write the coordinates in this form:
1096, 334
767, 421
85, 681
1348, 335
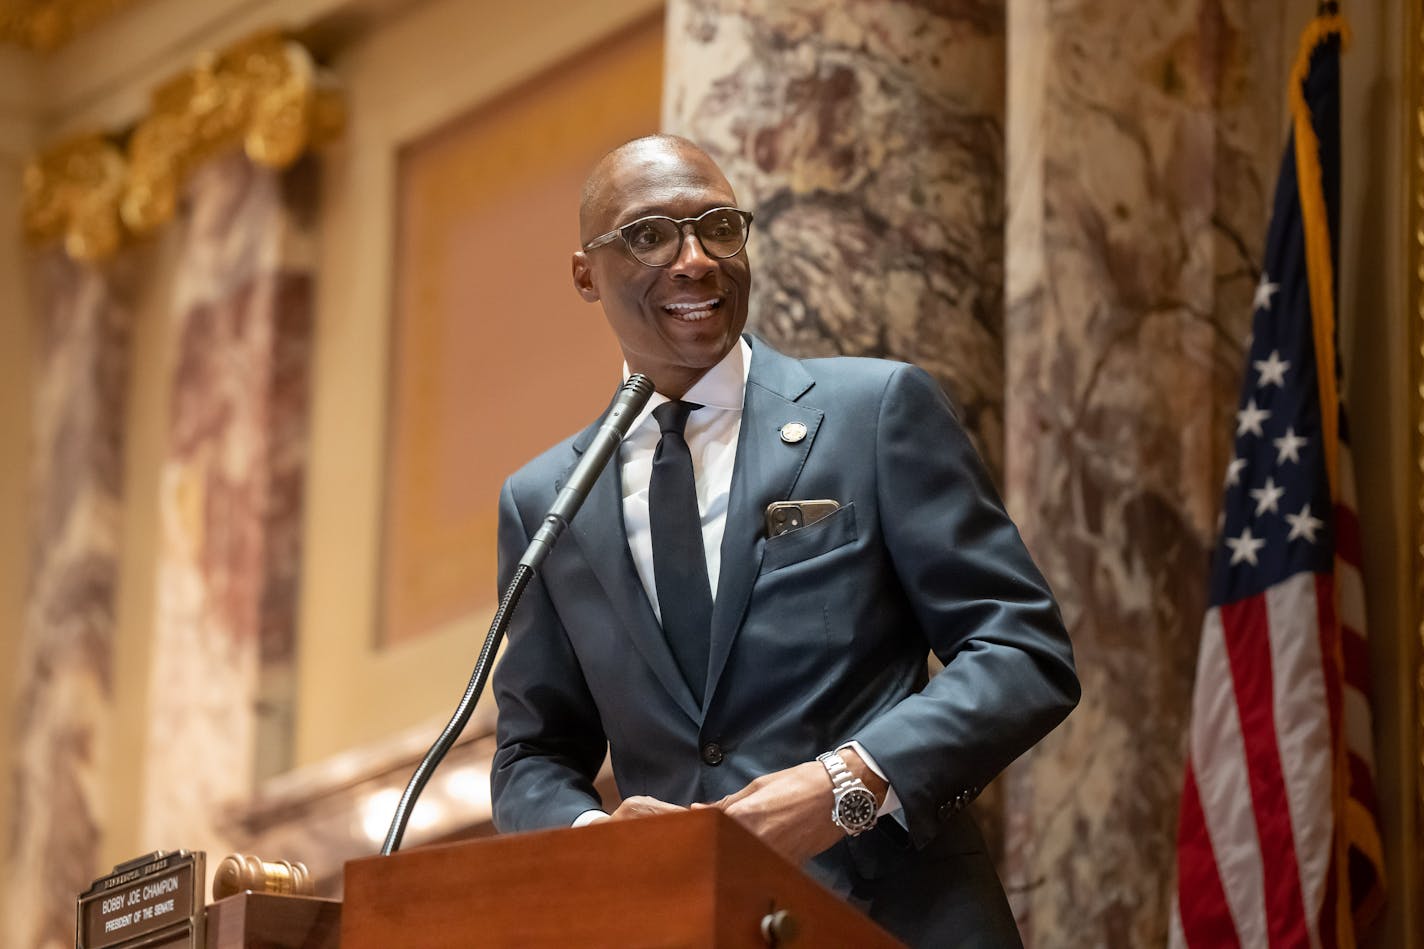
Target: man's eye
646, 236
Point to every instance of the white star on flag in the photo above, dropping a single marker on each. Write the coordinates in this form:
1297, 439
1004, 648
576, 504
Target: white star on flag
1233, 471
1264, 290
1272, 369
1250, 418
1288, 447
1244, 547
1303, 525
1266, 497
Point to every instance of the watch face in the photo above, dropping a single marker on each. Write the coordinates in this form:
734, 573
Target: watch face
856, 809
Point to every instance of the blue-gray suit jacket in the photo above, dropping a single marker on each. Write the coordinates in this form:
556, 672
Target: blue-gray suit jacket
819, 636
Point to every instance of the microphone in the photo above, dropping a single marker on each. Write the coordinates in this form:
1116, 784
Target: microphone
629, 401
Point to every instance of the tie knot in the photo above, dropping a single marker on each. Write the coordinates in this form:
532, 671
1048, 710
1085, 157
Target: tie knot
672, 416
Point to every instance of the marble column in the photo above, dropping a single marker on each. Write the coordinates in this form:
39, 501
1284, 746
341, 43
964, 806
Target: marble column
868, 140
230, 504
1142, 142
65, 659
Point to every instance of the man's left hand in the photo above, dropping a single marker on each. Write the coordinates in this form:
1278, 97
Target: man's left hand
789, 810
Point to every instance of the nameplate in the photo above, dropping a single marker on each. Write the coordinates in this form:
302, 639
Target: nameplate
153, 900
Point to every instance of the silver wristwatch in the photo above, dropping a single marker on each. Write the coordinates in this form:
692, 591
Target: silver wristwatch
854, 808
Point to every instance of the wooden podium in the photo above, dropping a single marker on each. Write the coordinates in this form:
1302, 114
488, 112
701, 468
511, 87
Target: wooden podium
689, 879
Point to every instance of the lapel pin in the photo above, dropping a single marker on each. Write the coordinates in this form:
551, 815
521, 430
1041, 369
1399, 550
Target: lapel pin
793, 432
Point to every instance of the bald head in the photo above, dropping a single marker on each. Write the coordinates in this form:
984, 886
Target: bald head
650, 158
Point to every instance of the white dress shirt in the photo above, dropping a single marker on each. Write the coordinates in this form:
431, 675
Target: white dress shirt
711, 437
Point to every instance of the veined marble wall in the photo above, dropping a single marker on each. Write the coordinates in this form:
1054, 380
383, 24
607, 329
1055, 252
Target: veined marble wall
868, 140
65, 667
230, 504
1143, 140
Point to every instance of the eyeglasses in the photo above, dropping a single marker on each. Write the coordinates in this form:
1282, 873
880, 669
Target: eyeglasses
656, 241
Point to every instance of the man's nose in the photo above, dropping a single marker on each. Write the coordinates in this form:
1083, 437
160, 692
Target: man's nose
692, 260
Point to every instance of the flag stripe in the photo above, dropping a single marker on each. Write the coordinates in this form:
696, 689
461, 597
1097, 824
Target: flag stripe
1362, 783
1328, 927
1334, 914
1302, 729
1207, 922
1347, 536
1176, 935
1352, 593
1357, 659
1330, 655
1248, 651
1366, 857
1218, 757
1357, 725
1346, 495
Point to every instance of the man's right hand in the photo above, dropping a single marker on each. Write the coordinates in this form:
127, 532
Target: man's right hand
643, 806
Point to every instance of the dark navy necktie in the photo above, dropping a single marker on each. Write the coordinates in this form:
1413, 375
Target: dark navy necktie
679, 563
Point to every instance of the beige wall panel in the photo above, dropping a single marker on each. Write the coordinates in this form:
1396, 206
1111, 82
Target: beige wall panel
434, 64
494, 355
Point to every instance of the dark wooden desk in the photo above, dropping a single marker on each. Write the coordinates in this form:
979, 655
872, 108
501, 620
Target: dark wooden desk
267, 921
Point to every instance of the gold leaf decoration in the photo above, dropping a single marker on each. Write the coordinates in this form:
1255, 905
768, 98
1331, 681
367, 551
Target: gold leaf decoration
72, 192
263, 94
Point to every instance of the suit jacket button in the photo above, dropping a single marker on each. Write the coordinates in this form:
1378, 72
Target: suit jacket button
712, 754
946, 810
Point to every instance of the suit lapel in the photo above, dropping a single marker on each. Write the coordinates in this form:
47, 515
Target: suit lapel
766, 470
598, 529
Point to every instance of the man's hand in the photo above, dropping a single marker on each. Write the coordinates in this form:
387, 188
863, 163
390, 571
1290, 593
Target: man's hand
789, 810
643, 806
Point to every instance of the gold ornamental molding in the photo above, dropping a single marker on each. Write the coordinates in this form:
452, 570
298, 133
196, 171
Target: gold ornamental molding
263, 94
43, 26
73, 192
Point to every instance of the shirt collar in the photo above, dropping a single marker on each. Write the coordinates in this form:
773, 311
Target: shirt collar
724, 386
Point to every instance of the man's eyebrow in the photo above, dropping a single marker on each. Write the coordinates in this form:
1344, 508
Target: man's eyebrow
634, 214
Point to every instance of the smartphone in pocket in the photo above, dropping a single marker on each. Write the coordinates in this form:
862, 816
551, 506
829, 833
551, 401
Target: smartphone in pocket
783, 517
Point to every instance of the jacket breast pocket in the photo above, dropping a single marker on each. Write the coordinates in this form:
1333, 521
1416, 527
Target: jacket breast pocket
830, 532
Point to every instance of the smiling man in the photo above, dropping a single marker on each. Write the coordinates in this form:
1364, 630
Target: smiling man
742, 611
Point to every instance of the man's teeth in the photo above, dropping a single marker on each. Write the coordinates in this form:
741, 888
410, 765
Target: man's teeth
693, 311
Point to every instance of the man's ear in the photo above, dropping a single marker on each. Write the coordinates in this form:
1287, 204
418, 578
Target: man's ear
583, 278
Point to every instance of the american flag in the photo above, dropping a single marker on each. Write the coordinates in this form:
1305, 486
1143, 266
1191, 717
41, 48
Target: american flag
1277, 840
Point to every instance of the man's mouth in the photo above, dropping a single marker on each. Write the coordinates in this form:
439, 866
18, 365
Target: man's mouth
693, 311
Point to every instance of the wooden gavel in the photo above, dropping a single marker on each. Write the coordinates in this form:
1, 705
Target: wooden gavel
243, 871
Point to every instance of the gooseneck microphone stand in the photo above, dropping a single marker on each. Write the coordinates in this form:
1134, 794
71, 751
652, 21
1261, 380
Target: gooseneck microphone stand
631, 397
